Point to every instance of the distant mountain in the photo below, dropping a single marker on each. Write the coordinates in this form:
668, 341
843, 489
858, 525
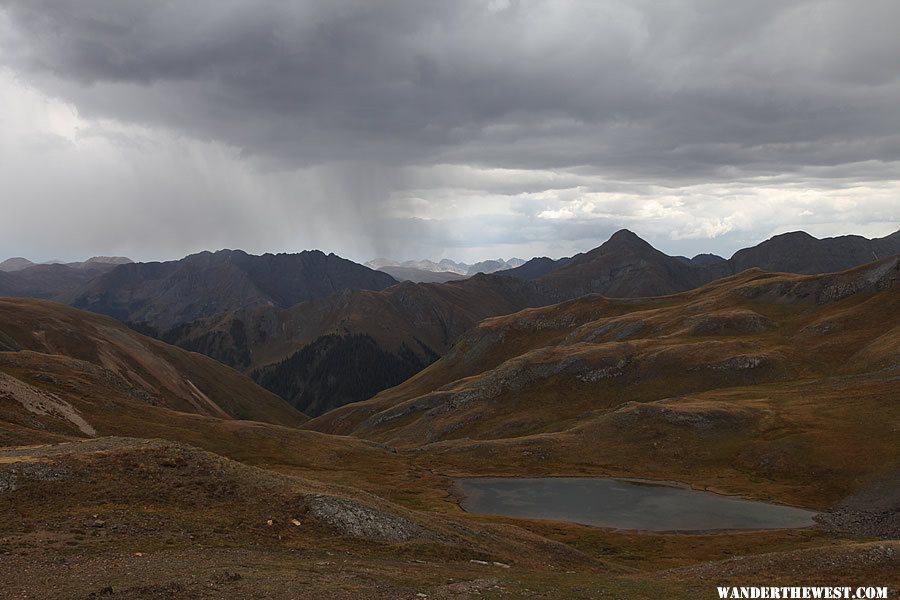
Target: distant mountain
23, 278
799, 252
796, 252
492, 266
16, 263
702, 260
444, 266
49, 281
101, 260
447, 266
538, 267
377, 263
707, 259
164, 294
624, 266
420, 275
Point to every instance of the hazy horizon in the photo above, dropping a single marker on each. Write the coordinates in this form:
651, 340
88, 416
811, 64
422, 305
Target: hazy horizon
373, 258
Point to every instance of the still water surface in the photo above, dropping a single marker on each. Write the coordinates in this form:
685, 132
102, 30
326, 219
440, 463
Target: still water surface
621, 504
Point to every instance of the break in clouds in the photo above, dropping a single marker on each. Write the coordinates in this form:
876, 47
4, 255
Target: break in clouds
466, 129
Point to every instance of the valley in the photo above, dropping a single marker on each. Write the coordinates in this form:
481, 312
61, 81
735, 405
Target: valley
123, 454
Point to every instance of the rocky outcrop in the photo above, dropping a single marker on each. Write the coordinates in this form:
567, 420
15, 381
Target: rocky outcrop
350, 518
734, 322
13, 475
698, 419
824, 290
872, 511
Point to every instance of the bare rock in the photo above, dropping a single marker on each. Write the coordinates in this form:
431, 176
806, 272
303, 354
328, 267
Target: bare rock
357, 520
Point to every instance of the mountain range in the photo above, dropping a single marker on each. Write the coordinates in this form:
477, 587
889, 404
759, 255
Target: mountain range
322, 331
794, 252
23, 278
421, 275
381, 338
18, 263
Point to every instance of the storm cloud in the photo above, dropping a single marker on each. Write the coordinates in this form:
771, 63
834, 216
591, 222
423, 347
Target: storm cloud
468, 129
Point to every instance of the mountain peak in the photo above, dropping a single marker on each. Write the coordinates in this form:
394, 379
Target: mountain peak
624, 234
107, 260
625, 239
793, 235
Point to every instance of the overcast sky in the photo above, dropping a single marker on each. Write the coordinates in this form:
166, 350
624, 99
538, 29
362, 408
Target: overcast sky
466, 129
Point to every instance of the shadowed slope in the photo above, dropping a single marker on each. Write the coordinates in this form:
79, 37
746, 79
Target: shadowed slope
409, 325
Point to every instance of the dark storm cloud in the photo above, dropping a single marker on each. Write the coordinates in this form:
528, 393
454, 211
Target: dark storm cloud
431, 100
673, 89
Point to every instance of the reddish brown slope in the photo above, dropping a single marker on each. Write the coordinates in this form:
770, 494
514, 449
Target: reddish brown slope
150, 370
